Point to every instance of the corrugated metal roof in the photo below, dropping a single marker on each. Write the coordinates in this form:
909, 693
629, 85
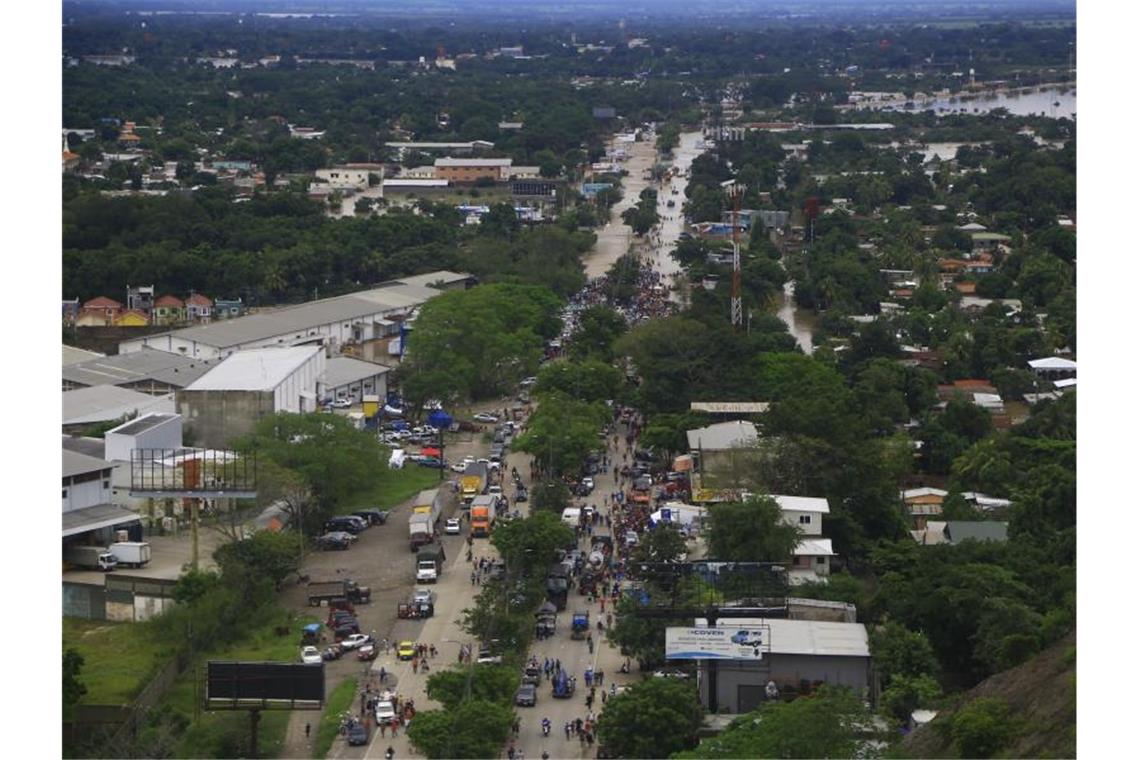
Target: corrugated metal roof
978, 530
92, 447
814, 547
259, 369
73, 355
92, 518
142, 424
809, 637
138, 366
723, 436
75, 463
344, 370
430, 278
101, 403
802, 503
1053, 363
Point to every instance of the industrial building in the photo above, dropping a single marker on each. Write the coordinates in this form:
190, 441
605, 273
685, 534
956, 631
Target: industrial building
87, 509
357, 321
149, 371
107, 403
798, 656
467, 170
228, 400
350, 378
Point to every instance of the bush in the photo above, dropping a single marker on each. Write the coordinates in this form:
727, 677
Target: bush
982, 728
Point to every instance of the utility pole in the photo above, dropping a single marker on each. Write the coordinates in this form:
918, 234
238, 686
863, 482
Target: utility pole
735, 192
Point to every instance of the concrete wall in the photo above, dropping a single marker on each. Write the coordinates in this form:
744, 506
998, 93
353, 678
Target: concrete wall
736, 681
212, 419
84, 600
88, 493
813, 525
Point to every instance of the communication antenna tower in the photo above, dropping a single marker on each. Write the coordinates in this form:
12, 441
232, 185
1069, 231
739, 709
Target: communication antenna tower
735, 192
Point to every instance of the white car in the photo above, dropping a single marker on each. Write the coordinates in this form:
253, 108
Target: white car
486, 417
459, 467
342, 403
452, 527
355, 641
311, 656
423, 595
384, 709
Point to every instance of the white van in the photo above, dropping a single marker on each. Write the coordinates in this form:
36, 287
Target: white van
571, 515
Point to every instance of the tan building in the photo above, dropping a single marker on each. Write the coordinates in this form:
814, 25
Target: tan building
468, 170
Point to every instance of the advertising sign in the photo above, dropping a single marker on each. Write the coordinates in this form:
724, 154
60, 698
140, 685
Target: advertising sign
714, 643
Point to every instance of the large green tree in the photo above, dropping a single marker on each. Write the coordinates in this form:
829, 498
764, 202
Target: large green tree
589, 380
831, 723
750, 531
475, 728
528, 545
562, 432
493, 683
653, 718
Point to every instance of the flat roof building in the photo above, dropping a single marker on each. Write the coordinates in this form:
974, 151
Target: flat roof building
148, 371
104, 403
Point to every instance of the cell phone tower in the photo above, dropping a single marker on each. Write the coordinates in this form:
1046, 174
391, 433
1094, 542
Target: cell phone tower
735, 192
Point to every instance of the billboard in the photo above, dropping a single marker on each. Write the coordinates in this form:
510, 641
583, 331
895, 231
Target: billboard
237, 685
715, 643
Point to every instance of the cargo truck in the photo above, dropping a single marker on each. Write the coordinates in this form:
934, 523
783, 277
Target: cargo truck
90, 558
131, 553
473, 481
420, 531
557, 585
334, 591
483, 515
429, 503
429, 564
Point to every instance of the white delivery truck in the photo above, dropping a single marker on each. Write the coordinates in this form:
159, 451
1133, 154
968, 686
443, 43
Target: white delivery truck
131, 553
571, 516
90, 558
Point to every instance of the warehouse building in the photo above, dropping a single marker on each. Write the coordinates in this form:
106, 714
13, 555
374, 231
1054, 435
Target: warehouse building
147, 371
108, 403
350, 378
357, 322
227, 401
799, 656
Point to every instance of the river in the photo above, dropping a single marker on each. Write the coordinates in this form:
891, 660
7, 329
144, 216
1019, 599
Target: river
1054, 101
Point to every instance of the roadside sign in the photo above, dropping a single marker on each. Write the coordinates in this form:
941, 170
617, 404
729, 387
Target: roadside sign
714, 643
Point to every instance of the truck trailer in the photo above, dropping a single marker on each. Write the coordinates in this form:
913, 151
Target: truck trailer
473, 482
131, 553
483, 510
334, 591
420, 531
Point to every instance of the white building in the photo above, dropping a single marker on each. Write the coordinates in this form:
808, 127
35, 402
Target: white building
87, 496
350, 378
227, 401
153, 431
349, 177
356, 319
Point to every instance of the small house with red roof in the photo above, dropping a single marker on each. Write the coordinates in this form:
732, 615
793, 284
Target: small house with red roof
169, 309
198, 308
98, 312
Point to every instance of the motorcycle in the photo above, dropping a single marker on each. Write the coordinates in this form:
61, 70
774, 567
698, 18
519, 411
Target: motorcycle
546, 726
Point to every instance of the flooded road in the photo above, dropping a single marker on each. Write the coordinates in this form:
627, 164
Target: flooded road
801, 322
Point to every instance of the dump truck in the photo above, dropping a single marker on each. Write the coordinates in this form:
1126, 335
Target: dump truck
473, 482
483, 515
420, 531
429, 564
334, 591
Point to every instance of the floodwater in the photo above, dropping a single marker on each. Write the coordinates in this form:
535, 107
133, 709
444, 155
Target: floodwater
801, 322
1054, 101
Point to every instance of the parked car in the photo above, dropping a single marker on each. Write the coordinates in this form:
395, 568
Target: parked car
527, 695
311, 655
374, 515
406, 650
342, 403
357, 733
486, 417
423, 596
355, 641
348, 523
458, 467
434, 462
337, 540
452, 527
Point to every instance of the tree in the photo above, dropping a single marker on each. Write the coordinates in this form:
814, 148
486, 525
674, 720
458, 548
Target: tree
662, 544
550, 495
476, 728
983, 727
750, 531
905, 694
493, 683
654, 718
562, 432
73, 688
588, 381
267, 554
901, 652
528, 545
327, 451
598, 327
833, 722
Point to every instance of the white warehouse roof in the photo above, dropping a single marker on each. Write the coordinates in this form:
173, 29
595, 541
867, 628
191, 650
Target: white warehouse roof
808, 637
802, 503
259, 369
1054, 363
101, 403
344, 370
723, 436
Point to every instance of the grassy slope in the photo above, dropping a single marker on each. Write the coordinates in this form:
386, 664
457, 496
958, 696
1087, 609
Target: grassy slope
393, 487
119, 658
1043, 696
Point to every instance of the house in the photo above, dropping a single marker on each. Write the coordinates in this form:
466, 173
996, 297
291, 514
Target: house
469, 170
168, 310
107, 308
363, 320
148, 371
141, 297
954, 532
920, 504
228, 308
796, 653
986, 503
1053, 368
107, 403
227, 401
198, 308
131, 318
988, 241
346, 178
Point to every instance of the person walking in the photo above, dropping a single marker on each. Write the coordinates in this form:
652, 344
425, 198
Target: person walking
308, 729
